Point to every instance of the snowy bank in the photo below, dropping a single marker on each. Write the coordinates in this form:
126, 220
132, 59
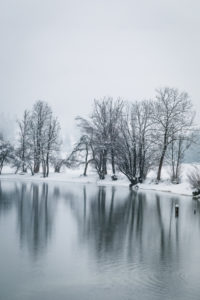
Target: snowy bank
73, 176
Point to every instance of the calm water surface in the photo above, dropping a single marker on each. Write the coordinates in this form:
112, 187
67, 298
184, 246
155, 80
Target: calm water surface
70, 241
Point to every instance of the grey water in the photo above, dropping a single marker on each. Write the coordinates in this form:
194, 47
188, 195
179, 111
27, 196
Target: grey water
72, 241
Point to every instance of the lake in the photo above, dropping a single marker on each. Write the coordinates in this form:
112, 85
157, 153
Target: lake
71, 241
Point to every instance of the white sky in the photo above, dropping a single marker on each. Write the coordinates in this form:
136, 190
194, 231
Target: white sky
68, 52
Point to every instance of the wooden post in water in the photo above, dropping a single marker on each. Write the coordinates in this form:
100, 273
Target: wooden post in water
176, 210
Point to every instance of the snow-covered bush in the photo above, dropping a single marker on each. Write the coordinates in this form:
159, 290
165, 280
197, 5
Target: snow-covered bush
194, 178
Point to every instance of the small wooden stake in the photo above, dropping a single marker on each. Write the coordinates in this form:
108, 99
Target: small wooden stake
176, 210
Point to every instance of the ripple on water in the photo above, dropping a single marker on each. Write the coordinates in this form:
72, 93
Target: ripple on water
159, 283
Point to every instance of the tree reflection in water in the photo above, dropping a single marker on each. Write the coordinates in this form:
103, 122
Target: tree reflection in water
105, 242
35, 217
113, 223
132, 226
34, 214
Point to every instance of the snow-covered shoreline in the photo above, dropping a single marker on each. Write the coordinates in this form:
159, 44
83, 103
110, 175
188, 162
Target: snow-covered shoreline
73, 176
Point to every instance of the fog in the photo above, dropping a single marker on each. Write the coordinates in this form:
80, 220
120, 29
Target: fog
70, 52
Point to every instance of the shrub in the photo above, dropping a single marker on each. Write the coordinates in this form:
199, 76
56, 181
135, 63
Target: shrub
194, 178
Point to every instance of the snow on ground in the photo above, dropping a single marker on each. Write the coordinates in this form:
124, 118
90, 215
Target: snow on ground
74, 176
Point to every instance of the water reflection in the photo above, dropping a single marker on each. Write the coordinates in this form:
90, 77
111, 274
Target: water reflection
132, 226
35, 217
5, 199
35, 213
108, 223
111, 237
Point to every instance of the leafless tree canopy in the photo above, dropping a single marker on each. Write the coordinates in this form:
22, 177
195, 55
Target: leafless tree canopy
172, 117
100, 134
38, 139
120, 136
6, 152
134, 137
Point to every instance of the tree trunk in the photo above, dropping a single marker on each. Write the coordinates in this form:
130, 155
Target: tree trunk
173, 165
1, 165
140, 158
113, 161
23, 158
57, 169
178, 160
141, 166
102, 166
162, 157
32, 171
47, 165
44, 168
134, 162
47, 172
36, 167
85, 169
105, 162
160, 165
86, 163
133, 182
17, 169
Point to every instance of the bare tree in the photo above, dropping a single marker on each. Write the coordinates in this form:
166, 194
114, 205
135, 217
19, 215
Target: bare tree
91, 145
50, 142
126, 150
134, 149
134, 137
81, 154
176, 153
6, 152
96, 145
144, 136
101, 131
24, 141
114, 112
38, 139
172, 114
40, 114
100, 124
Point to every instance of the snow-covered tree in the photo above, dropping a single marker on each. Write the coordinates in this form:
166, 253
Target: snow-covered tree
40, 114
176, 152
134, 147
101, 131
22, 152
38, 139
50, 142
172, 114
6, 152
81, 154
146, 150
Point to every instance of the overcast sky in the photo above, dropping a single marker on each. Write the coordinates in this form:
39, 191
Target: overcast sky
68, 52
